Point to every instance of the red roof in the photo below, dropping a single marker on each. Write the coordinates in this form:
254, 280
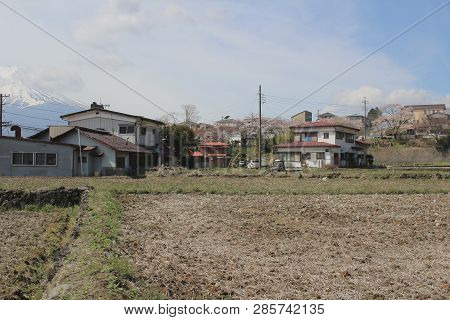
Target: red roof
197, 154
308, 144
323, 123
214, 144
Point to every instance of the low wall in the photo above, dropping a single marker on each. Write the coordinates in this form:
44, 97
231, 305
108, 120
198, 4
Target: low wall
62, 197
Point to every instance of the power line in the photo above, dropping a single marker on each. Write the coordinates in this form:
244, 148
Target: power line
357, 63
38, 118
84, 57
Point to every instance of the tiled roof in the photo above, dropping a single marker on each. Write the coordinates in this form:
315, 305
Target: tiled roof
112, 141
309, 144
322, 124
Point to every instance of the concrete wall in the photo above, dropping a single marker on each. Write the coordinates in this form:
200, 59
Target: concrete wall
64, 154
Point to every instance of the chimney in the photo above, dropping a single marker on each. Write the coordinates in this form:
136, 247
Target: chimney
95, 105
18, 131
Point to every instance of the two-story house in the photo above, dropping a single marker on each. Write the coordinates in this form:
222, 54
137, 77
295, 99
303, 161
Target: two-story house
141, 131
212, 155
324, 143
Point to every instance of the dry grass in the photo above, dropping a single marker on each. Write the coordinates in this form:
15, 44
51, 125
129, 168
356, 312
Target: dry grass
290, 247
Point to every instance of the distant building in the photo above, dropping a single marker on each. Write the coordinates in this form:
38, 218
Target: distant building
301, 117
420, 112
326, 115
138, 130
324, 143
212, 155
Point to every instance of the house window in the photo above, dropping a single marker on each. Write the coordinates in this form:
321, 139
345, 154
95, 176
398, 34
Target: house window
310, 136
51, 159
126, 129
120, 162
143, 131
45, 159
17, 159
22, 159
326, 135
306, 156
350, 138
340, 135
320, 155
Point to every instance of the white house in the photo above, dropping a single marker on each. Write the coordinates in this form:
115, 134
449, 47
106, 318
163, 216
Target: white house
324, 143
141, 131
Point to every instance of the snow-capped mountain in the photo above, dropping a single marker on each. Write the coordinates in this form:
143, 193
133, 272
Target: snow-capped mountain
29, 107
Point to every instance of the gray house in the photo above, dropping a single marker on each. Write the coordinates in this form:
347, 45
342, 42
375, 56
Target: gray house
99, 152
25, 157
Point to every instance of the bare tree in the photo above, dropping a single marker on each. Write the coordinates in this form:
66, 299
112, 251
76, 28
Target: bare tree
394, 120
190, 114
169, 118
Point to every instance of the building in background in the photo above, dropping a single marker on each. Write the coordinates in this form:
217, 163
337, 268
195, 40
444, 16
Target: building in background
212, 155
324, 143
301, 117
326, 115
420, 112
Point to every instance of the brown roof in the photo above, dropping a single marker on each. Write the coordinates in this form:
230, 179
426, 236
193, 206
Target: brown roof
112, 141
322, 124
309, 144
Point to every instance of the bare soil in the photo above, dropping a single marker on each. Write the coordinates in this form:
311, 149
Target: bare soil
290, 247
20, 237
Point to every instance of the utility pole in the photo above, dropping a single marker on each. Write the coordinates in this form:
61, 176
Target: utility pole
365, 118
260, 129
2, 96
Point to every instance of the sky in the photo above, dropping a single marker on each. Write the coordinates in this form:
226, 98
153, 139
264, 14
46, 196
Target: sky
215, 54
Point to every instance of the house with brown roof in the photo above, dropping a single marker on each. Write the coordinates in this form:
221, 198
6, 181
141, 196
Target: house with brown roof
138, 130
99, 152
212, 155
324, 143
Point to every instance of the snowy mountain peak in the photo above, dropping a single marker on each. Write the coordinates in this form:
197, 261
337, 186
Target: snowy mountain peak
13, 82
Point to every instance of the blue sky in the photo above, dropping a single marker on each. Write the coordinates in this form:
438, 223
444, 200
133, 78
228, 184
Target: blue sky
214, 54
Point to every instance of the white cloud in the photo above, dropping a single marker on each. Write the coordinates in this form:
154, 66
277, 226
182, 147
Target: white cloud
52, 80
118, 18
355, 97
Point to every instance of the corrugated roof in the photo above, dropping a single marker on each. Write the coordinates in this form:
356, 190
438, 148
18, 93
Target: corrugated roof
114, 112
322, 124
197, 154
308, 144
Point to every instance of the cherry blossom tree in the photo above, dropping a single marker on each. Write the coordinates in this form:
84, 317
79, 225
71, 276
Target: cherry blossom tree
394, 120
